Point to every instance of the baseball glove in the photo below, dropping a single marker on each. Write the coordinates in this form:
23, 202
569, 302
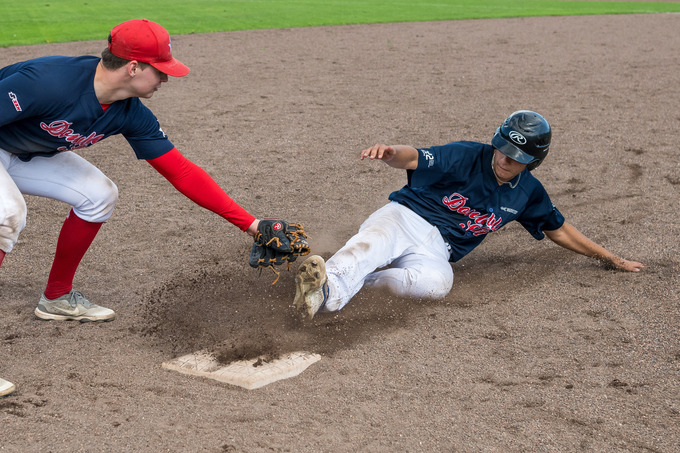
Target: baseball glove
277, 242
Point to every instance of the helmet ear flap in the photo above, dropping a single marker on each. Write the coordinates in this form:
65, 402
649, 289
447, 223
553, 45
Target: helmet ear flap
534, 164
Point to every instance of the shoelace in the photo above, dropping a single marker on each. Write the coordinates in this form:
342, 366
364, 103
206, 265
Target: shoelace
76, 298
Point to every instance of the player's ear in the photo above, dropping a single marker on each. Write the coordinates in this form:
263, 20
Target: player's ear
132, 68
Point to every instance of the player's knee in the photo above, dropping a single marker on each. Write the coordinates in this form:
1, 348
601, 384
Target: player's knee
434, 284
442, 287
12, 220
445, 282
100, 201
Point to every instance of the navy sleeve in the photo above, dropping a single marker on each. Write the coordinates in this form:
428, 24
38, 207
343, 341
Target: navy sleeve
437, 162
144, 133
540, 214
24, 94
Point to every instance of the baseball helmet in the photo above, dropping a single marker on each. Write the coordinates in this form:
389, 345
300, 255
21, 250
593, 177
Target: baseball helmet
525, 137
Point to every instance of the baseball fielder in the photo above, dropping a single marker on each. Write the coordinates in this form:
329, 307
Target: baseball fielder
456, 194
53, 106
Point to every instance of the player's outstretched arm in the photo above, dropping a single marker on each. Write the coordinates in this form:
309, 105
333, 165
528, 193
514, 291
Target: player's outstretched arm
397, 156
570, 238
192, 181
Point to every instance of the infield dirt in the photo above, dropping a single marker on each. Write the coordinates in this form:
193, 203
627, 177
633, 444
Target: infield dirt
535, 348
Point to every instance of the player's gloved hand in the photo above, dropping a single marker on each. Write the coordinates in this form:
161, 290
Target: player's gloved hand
277, 242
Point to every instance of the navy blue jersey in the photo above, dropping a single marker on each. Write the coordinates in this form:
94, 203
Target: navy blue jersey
454, 188
48, 105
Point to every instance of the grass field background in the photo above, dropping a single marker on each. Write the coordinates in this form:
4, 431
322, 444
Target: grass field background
35, 22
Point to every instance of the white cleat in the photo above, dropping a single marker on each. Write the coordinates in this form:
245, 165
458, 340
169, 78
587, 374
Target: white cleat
311, 290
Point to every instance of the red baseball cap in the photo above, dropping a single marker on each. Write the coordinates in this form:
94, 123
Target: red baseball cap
147, 42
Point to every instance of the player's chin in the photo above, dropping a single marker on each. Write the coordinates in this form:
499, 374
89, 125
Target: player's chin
506, 176
503, 174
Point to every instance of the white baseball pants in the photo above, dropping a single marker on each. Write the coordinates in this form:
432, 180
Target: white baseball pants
65, 177
410, 254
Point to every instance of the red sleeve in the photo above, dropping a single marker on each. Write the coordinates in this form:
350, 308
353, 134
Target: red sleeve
192, 181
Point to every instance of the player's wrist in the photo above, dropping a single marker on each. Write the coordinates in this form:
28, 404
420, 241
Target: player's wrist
252, 229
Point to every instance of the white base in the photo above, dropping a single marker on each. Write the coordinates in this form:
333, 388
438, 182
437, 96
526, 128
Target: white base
243, 373
6, 387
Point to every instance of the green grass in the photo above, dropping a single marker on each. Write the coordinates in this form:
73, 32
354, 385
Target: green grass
46, 21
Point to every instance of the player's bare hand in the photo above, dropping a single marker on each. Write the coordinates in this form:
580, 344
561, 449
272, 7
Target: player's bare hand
630, 266
379, 151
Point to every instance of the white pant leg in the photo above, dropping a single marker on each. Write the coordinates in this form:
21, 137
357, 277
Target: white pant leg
12, 207
69, 178
419, 274
392, 236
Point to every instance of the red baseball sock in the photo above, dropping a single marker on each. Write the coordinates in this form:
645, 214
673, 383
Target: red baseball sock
74, 239
2, 256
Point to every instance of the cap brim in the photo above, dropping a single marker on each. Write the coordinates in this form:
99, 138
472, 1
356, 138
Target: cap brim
172, 67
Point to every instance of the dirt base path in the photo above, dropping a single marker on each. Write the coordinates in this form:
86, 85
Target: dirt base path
535, 349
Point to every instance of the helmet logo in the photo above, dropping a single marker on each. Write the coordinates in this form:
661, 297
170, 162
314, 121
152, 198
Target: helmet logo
517, 138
